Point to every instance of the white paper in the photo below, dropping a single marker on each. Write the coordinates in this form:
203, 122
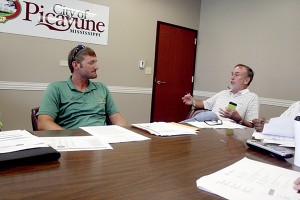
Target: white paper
281, 126
281, 140
16, 140
226, 124
165, 129
114, 134
248, 179
76, 143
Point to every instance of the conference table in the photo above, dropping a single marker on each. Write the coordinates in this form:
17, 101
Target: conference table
160, 168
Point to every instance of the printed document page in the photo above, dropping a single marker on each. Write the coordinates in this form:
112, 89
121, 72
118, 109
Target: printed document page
16, 140
76, 143
280, 126
248, 179
114, 134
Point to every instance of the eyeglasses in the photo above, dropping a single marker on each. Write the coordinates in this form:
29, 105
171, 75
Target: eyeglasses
78, 48
213, 123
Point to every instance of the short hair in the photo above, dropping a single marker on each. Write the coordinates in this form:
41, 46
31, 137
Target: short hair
77, 54
250, 72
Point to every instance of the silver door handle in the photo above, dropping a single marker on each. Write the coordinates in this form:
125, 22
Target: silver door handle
161, 82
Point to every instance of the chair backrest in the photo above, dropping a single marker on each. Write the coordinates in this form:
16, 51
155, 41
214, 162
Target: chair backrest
107, 120
34, 118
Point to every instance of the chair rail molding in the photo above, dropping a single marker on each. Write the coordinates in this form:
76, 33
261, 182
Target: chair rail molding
8, 85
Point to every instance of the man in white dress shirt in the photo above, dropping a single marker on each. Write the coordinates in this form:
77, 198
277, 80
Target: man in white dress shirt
247, 102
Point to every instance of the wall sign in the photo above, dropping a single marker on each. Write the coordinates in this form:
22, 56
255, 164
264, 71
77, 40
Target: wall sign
59, 19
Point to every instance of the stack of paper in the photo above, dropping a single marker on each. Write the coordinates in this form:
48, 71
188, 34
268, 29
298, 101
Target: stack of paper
279, 130
166, 129
280, 126
274, 139
248, 179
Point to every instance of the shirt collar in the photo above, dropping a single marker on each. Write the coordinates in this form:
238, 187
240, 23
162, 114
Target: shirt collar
241, 92
90, 87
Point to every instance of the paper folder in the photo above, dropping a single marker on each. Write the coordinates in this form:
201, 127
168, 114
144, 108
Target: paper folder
29, 156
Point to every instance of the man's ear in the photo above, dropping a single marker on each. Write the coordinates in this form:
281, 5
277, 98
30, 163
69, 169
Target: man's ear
75, 64
247, 80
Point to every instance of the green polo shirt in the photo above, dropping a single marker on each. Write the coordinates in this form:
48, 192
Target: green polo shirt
71, 108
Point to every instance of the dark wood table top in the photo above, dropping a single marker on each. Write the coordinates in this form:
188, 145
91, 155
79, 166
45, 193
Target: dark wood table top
160, 168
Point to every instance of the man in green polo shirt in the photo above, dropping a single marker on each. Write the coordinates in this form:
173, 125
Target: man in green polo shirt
78, 101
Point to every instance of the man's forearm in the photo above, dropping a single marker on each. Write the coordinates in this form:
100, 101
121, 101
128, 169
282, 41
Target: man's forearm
198, 104
246, 123
118, 119
49, 126
44, 123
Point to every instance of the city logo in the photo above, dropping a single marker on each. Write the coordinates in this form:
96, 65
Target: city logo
9, 9
62, 18
70, 20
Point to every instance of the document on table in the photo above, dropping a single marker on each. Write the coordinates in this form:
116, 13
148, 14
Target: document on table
16, 140
226, 124
76, 143
114, 134
275, 139
280, 126
248, 179
166, 129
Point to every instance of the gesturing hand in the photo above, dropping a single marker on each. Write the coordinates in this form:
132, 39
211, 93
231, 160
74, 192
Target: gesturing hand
187, 99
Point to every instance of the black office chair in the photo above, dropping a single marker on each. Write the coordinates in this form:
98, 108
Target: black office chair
34, 118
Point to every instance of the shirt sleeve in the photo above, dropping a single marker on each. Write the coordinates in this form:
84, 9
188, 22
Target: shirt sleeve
50, 102
210, 102
111, 107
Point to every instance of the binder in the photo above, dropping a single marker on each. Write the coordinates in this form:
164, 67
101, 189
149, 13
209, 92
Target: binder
29, 156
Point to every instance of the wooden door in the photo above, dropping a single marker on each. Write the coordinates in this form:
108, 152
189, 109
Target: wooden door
173, 72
